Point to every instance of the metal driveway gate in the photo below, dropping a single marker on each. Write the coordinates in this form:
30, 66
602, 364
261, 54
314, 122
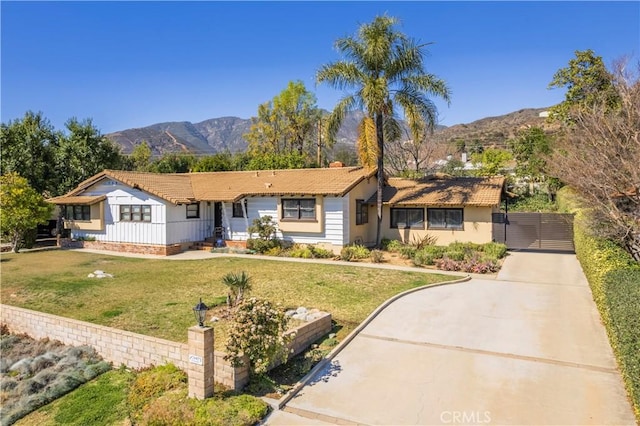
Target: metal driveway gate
536, 231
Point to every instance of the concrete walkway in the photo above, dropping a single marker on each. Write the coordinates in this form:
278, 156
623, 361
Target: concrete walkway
525, 348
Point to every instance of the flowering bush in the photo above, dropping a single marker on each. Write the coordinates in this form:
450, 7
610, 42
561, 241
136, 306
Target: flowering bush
257, 333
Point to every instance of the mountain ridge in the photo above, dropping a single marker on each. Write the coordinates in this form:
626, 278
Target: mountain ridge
222, 134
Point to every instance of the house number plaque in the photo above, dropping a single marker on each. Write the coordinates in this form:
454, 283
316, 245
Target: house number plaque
195, 359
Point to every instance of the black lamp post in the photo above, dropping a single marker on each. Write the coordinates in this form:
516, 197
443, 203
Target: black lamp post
200, 311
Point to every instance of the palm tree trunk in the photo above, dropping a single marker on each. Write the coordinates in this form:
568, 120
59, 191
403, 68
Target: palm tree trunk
380, 175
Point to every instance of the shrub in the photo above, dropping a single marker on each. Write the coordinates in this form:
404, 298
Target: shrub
377, 256
238, 285
152, 382
427, 240
447, 264
423, 257
394, 246
407, 252
355, 251
263, 246
321, 253
456, 255
494, 250
301, 251
613, 277
257, 332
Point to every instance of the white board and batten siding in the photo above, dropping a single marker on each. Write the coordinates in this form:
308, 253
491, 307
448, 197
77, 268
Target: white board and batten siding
117, 194
235, 228
183, 230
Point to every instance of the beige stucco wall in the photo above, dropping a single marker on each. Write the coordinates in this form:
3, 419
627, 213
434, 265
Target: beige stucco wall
477, 227
367, 232
302, 225
95, 224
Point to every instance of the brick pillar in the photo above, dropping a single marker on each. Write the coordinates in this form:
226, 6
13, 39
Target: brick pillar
200, 368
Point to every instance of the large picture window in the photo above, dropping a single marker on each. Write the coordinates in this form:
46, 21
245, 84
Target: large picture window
78, 212
407, 218
362, 212
299, 209
193, 211
135, 213
445, 218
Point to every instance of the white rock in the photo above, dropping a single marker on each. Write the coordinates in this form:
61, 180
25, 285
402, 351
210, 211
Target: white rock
214, 319
300, 317
332, 335
91, 276
301, 310
98, 272
290, 313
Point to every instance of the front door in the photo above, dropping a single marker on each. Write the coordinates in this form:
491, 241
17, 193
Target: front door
218, 229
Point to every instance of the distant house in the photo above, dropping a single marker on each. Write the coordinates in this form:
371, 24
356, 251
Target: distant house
331, 207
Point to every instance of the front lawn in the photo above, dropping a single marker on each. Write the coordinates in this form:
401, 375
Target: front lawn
156, 297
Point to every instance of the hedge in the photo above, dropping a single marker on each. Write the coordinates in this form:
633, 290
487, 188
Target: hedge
614, 278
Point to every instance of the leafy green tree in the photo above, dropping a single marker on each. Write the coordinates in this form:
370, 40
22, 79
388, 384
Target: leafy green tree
454, 167
22, 208
275, 161
140, 157
530, 150
286, 124
385, 70
219, 162
82, 153
587, 81
173, 163
27, 147
492, 161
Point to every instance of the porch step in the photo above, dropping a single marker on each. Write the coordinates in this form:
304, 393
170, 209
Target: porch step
202, 245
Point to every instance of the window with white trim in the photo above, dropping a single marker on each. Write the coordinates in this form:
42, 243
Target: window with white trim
135, 213
237, 210
445, 219
193, 211
299, 209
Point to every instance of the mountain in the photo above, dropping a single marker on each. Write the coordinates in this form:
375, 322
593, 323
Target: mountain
225, 133
495, 131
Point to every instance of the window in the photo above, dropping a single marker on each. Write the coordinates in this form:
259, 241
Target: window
362, 212
445, 218
299, 209
135, 213
407, 218
237, 209
78, 212
193, 211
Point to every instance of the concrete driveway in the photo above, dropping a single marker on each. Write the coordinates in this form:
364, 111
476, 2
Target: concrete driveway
525, 348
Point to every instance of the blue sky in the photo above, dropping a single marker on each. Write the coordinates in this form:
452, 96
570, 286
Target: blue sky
132, 64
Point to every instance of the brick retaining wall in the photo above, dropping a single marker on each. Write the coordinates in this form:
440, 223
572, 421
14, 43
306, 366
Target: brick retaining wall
137, 350
160, 250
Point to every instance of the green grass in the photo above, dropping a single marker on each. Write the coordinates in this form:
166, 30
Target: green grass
156, 396
156, 297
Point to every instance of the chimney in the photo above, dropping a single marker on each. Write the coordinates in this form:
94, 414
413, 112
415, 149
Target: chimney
336, 164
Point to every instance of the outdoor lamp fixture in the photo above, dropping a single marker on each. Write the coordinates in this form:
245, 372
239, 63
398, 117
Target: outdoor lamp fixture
200, 311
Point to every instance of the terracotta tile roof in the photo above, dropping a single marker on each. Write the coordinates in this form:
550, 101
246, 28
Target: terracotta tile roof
86, 199
232, 186
443, 191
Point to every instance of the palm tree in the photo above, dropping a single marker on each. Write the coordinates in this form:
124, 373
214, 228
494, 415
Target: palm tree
384, 68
